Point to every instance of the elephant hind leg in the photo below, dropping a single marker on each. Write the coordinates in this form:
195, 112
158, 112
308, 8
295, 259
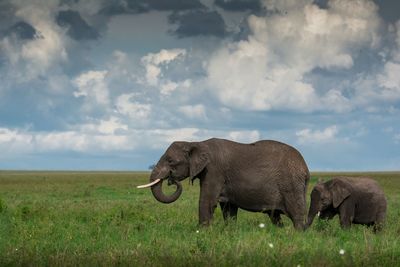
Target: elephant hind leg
229, 210
275, 217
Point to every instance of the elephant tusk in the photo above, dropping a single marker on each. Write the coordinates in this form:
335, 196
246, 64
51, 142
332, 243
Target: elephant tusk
150, 184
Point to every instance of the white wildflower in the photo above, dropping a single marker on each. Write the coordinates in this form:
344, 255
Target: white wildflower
197, 231
270, 245
341, 252
261, 225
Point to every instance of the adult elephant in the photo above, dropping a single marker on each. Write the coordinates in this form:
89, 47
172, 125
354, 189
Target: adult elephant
265, 176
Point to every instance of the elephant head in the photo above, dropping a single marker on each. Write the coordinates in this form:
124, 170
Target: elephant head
325, 197
181, 160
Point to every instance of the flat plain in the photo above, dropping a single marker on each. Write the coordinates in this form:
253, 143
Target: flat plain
101, 219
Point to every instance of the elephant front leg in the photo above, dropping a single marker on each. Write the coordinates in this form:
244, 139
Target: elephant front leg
209, 193
346, 214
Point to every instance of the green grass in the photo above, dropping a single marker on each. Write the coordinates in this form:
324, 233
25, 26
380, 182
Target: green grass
101, 219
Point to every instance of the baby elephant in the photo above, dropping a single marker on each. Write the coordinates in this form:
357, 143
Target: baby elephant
356, 200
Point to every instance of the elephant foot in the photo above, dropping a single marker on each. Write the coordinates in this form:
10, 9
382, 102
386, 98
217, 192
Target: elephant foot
299, 225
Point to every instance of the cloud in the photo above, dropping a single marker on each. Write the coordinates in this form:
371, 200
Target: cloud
12, 140
382, 86
167, 136
18, 141
154, 62
86, 8
194, 111
317, 136
163, 57
168, 87
239, 5
198, 23
107, 136
22, 31
173, 4
93, 87
7, 11
285, 5
143, 6
268, 70
388, 10
126, 105
397, 49
34, 57
244, 136
76, 26
390, 80
111, 126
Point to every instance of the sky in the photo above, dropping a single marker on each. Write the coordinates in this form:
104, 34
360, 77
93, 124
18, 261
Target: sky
108, 85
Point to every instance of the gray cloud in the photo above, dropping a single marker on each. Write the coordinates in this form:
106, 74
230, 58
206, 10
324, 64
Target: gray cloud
389, 10
22, 30
78, 28
198, 22
6, 14
143, 6
173, 4
239, 5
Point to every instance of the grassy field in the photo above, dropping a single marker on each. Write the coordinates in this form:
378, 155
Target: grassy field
101, 219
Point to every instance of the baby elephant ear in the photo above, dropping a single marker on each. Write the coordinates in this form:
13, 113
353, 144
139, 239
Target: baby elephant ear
339, 193
198, 160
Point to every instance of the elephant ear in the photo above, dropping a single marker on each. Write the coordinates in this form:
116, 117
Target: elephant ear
340, 192
198, 160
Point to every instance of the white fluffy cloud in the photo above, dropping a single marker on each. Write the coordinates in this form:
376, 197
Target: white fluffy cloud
268, 70
383, 86
13, 140
110, 126
105, 136
396, 55
35, 57
194, 111
308, 136
126, 105
93, 86
244, 136
389, 78
153, 62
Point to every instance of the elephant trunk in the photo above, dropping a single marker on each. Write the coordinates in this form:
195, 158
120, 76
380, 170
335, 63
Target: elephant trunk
156, 189
314, 209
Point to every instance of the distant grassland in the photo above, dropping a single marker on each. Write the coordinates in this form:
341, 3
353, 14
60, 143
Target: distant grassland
101, 219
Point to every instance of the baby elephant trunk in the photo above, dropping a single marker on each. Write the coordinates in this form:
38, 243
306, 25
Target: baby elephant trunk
313, 211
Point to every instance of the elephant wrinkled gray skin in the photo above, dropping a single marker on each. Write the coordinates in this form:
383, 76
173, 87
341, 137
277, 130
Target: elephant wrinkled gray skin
265, 176
356, 200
